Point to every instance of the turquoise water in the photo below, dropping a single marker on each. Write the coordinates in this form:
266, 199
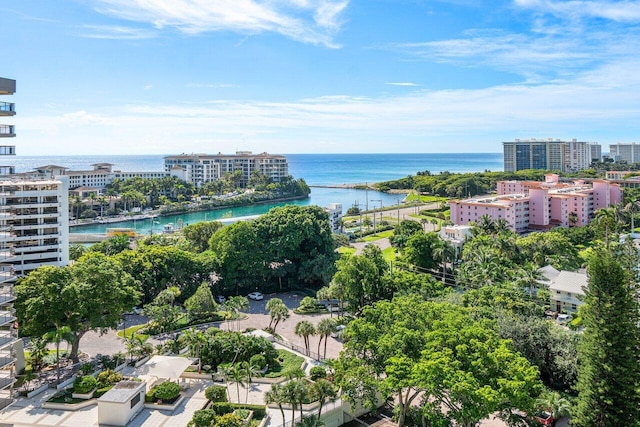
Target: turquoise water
322, 197
316, 169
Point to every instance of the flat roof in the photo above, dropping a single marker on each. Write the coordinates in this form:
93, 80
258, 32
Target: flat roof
122, 391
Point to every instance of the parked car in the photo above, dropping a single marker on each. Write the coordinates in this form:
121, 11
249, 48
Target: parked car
543, 418
564, 318
220, 299
256, 296
337, 332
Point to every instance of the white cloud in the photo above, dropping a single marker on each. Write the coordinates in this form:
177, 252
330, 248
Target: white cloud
309, 21
619, 11
402, 84
115, 32
605, 100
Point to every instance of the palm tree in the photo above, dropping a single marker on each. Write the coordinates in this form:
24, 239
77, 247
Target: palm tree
56, 336
295, 391
305, 329
324, 329
250, 371
277, 396
277, 311
134, 345
323, 390
310, 421
631, 209
238, 376
444, 252
486, 224
529, 275
195, 340
239, 304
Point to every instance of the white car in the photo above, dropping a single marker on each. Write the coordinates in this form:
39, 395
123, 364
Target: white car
256, 296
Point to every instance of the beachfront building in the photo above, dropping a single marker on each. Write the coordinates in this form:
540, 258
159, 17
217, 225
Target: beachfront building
334, 210
7, 109
97, 178
533, 205
625, 151
549, 154
34, 231
202, 168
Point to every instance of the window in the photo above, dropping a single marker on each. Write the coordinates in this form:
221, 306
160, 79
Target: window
135, 400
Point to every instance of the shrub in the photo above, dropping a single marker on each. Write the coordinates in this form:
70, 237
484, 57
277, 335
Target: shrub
221, 408
216, 393
317, 372
108, 378
258, 360
259, 411
83, 385
242, 413
150, 396
166, 391
229, 420
203, 418
86, 368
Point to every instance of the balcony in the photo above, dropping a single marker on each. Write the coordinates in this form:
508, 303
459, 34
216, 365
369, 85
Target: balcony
7, 86
7, 131
7, 338
5, 361
7, 109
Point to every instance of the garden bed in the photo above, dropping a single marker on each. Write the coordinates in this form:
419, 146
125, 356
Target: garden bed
166, 406
286, 362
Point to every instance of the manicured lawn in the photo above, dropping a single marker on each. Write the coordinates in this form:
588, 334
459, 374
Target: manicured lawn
346, 250
287, 362
130, 331
377, 236
424, 199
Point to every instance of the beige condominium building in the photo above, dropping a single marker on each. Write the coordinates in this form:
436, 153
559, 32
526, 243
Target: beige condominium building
202, 168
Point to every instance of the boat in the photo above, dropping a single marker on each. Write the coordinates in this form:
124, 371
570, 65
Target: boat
168, 228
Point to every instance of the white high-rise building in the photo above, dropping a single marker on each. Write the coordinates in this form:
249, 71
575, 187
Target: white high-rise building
34, 231
202, 168
628, 152
548, 154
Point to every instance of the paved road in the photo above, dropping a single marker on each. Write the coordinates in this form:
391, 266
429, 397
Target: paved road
94, 343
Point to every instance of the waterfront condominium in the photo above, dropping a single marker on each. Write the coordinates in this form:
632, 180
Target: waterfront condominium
202, 168
628, 152
34, 231
532, 205
549, 154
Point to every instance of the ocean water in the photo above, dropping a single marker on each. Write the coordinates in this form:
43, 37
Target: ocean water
316, 169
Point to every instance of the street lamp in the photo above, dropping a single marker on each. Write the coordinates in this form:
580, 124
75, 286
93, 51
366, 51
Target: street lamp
374, 214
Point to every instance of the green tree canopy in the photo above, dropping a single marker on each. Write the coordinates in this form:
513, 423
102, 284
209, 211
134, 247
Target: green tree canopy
408, 348
609, 361
89, 295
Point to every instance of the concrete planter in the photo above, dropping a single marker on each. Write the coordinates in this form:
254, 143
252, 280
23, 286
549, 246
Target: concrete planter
83, 395
165, 407
196, 376
66, 383
38, 390
68, 406
142, 361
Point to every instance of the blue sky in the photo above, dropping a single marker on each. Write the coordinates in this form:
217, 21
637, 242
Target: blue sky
326, 76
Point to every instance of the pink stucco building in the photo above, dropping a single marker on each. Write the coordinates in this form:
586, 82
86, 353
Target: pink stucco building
533, 205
